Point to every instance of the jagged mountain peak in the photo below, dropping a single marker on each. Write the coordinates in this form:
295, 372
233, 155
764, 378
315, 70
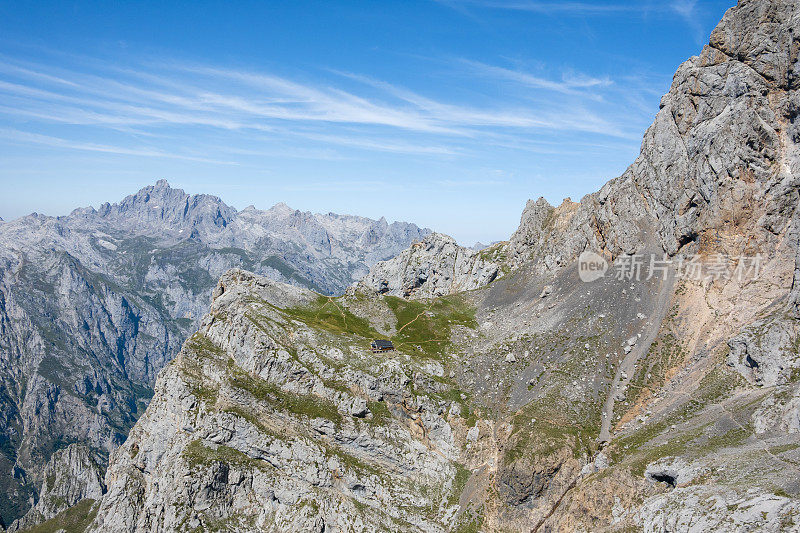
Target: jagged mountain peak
433, 266
161, 211
759, 34
281, 209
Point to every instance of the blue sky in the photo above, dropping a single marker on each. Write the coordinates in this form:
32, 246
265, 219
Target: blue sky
449, 114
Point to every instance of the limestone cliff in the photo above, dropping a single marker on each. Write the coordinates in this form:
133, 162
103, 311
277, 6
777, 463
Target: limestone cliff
434, 266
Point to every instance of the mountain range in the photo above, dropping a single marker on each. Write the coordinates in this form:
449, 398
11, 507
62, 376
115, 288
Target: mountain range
92, 305
627, 362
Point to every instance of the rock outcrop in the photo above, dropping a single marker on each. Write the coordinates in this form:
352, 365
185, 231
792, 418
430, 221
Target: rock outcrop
266, 421
71, 475
434, 266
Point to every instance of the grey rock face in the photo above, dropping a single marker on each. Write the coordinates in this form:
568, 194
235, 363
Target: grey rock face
765, 353
71, 475
253, 429
435, 266
696, 509
92, 305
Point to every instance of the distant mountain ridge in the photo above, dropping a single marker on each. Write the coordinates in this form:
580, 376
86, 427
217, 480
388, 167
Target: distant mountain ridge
168, 214
93, 304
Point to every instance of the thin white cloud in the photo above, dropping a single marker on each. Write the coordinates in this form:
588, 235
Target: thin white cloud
342, 186
575, 119
572, 83
470, 183
18, 136
178, 103
687, 9
548, 8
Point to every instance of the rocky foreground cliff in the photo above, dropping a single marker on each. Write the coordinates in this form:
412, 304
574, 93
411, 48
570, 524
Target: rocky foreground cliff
527, 392
92, 305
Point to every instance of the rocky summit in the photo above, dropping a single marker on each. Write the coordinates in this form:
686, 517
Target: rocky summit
92, 305
628, 362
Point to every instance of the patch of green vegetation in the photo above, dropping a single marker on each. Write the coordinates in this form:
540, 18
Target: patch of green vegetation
351, 461
471, 418
207, 394
198, 454
777, 491
495, 253
335, 384
326, 313
423, 327
725, 440
203, 350
203, 346
76, 519
549, 219
650, 373
471, 521
307, 405
636, 448
448, 391
233, 522
788, 521
783, 448
551, 423
629, 528
693, 441
459, 482
712, 388
380, 413
252, 418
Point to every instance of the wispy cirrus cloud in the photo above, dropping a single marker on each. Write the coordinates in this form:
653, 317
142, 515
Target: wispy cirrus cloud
240, 113
687, 10
335, 185
471, 183
571, 83
57, 142
549, 8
